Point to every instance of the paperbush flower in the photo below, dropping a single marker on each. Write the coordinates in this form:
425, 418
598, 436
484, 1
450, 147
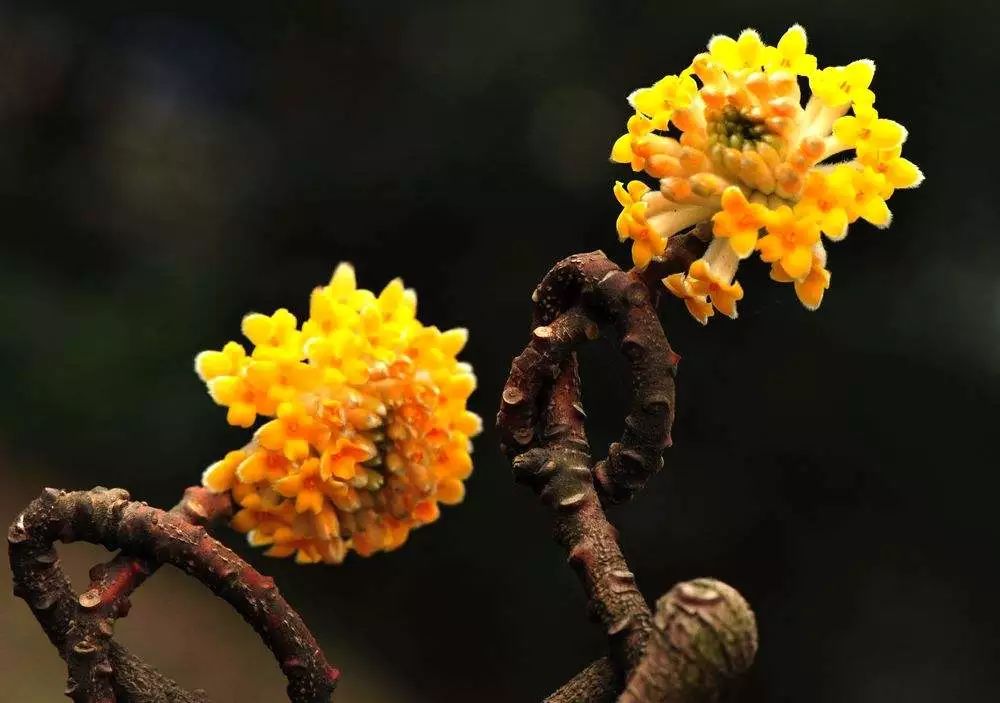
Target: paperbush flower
730, 141
366, 428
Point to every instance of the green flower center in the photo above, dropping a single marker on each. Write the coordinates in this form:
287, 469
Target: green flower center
735, 128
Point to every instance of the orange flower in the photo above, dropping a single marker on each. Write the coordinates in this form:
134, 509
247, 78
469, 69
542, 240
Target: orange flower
789, 241
751, 154
703, 281
627, 149
812, 286
697, 305
369, 428
739, 221
632, 223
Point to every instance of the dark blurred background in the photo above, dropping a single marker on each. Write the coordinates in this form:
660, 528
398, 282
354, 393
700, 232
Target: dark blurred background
165, 169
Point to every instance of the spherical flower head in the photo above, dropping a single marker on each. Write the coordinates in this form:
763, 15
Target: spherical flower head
365, 429
731, 140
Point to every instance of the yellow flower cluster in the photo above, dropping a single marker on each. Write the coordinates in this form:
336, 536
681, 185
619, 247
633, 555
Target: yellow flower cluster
729, 140
369, 430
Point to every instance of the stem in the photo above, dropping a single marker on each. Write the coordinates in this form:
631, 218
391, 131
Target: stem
598, 683
599, 292
107, 517
541, 424
38, 578
107, 599
560, 472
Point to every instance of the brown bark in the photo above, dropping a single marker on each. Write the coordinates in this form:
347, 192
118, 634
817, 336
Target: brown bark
560, 472
703, 634
541, 424
107, 599
597, 683
597, 294
107, 517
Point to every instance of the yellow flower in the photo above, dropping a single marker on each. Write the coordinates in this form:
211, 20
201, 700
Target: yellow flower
745, 151
633, 214
789, 241
305, 485
668, 94
261, 465
697, 305
343, 458
871, 189
739, 221
790, 53
898, 172
273, 335
738, 55
841, 85
703, 281
244, 400
212, 364
627, 148
867, 131
221, 475
369, 428
826, 198
295, 432
810, 288
632, 224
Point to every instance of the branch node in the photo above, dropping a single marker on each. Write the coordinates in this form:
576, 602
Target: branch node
572, 501
48, 556
89, 600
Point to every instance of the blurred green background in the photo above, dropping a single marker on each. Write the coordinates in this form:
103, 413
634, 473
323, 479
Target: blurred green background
166, 167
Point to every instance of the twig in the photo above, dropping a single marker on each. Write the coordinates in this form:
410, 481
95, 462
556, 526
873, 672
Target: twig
541, 424
107, 517
597, 683
107, 599
39, 579
560, 471
607, 296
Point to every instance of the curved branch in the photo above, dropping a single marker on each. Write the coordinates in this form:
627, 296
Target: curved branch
565, 281
537, 366
560, 472
38, 578
107, 517
107, 599
591, 286
541, 423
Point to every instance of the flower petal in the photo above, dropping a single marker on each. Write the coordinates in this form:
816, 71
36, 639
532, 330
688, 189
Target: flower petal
797, 262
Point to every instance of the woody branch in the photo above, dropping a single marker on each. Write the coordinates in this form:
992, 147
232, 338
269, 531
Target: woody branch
81, 626
703, 633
